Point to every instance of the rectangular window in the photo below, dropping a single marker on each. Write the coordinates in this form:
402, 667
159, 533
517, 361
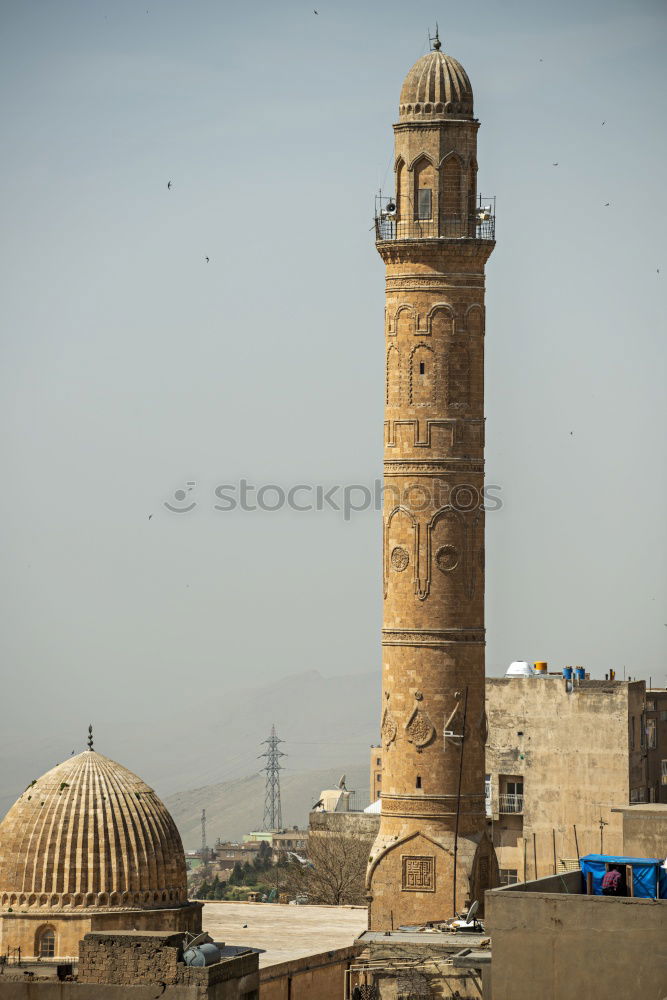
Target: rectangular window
419, 781
422, 367
378, 761
650, 705
651, 739
642, 731
424, 203
663, 716
663, 771
515, 787
509, 876
632, 732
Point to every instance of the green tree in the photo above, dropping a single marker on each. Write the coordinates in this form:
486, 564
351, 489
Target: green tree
203, 891
236, 878
263, 860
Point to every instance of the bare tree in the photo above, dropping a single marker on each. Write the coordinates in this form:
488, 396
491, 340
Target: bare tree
334, 874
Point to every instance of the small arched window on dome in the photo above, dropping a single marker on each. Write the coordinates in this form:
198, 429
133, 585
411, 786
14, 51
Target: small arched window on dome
46, 942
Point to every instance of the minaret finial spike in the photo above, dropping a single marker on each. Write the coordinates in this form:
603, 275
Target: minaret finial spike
90, 736
435, 40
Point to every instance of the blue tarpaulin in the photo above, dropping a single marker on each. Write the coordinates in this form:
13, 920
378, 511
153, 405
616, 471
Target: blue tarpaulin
647, 874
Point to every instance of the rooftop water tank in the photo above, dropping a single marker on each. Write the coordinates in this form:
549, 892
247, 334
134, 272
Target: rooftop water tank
520, 668
203, 954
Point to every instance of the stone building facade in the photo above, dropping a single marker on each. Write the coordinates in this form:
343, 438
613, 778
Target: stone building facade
432, 853
560, 756
89, 847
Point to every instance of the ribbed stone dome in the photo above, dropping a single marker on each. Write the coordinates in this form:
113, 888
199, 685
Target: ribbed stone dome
436, 87
89, 834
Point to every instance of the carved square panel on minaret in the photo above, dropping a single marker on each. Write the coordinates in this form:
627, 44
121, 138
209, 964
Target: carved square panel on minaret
418, 873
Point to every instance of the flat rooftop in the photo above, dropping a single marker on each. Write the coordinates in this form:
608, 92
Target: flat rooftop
284, 932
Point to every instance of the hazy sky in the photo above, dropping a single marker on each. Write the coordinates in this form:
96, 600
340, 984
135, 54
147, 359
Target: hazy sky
132, 367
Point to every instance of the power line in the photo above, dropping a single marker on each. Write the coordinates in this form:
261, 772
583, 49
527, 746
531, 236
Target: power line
273, 817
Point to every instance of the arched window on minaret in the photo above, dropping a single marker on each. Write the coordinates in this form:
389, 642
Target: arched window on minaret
393, 377
422, 376
401, 192
424, 189
450, 200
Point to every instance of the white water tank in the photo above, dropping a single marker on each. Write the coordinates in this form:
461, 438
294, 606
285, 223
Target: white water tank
519, 668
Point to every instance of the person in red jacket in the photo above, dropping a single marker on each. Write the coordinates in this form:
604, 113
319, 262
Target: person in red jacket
612, 883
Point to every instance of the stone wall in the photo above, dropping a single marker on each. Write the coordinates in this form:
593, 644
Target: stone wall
124, 959
554, 946
22, 930
360, 825
317, 977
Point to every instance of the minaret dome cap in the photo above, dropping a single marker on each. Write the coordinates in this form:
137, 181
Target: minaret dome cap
436, 88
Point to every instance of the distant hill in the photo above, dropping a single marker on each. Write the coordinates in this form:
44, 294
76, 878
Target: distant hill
214, 738
236, 807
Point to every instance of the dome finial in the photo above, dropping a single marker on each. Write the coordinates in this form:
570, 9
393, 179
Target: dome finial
90, 736
435, 40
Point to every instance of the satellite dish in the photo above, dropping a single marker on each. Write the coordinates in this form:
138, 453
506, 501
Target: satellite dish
470, 915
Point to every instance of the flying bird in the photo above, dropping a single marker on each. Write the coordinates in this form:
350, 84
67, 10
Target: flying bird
207, 259
315, 11
149, 516
604, 123
168, 185
606, 204
554, 164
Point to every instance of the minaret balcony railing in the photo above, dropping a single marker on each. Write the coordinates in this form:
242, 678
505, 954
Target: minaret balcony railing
453, 227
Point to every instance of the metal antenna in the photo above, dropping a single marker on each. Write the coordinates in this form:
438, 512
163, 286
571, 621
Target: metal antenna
273, 818
203, 831
90, 736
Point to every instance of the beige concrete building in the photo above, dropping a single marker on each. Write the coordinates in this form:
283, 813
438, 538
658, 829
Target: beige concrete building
561, 755
432, 852
549, 940
644, 830
89, 846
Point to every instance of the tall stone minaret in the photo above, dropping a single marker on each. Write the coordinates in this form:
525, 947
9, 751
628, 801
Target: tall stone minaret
432, 853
